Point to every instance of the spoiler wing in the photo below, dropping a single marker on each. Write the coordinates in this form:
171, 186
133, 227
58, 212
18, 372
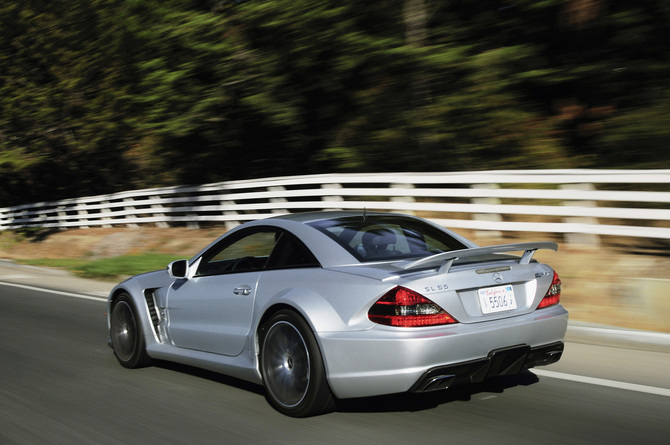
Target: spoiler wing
446, 259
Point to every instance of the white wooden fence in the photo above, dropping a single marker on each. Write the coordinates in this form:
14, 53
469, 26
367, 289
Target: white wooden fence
592, 202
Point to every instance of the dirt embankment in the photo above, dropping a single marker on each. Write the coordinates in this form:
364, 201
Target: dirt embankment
96, 243
607, 285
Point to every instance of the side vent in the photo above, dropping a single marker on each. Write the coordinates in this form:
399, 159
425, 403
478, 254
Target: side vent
151, 305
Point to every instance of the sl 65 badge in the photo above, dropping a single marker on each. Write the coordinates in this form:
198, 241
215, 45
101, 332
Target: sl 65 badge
436, 288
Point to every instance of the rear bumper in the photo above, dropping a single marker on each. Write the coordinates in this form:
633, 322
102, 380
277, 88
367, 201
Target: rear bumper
386, 360
506, 361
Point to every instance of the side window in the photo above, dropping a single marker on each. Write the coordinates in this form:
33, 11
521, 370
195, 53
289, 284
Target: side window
246, 252
291, 252
434, 246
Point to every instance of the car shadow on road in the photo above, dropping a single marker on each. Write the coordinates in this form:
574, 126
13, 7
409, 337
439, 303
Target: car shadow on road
212, 376
388, 403
420, 402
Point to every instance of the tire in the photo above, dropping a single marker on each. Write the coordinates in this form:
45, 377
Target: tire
292, 367
126, 334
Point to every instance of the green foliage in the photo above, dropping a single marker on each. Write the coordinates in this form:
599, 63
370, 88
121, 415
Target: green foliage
98, 96
108, 268
643, 129
61, 106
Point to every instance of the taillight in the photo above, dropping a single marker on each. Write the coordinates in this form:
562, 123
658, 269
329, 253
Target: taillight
553, 295
405, 308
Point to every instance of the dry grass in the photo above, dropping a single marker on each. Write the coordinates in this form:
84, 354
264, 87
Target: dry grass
622, 283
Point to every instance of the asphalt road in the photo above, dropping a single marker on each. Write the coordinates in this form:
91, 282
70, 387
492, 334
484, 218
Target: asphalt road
60, 384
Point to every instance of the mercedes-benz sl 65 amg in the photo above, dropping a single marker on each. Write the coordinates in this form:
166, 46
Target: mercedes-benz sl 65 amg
323, 306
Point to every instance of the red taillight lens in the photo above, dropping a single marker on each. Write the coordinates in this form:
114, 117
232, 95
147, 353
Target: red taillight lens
553, 295
405, 308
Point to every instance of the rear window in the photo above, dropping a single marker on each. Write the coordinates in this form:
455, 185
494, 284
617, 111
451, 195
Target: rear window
379, 238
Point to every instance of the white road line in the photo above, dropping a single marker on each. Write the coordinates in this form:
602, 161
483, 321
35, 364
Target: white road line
57, 292
603, 382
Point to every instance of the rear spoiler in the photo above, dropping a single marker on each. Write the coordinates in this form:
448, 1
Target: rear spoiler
446, 259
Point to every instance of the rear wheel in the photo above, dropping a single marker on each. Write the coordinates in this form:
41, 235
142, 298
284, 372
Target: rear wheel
292, 368
126, 334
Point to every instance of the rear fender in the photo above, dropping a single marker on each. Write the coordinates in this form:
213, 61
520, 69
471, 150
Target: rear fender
314, 308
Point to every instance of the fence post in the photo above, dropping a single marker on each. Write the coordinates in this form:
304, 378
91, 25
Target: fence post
129, 208
231, 224
332, 198
491, 217
43, 215
104, 211
158, 207
61, 213
82, 215
403, 198
583, 240
280, 199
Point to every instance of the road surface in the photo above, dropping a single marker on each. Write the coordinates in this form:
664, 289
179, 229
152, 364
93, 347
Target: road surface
62, 385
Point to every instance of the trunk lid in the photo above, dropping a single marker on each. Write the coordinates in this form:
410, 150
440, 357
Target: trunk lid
481, 284
473, 285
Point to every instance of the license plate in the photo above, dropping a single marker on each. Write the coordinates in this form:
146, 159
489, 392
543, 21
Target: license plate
497, 299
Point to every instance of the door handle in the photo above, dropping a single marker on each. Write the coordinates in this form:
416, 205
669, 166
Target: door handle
242, 290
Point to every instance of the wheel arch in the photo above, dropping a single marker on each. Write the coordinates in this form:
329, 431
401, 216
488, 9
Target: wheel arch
141, 306
317, 400
127, 335
269, 312
116, 293
312, 307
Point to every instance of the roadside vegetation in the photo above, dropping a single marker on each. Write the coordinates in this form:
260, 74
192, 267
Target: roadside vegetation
86, 253
107, 268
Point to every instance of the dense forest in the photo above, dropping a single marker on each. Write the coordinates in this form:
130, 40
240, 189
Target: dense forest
99, 96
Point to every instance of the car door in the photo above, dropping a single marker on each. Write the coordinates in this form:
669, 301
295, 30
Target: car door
212, 311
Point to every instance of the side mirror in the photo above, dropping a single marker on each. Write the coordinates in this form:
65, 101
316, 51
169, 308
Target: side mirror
178, 269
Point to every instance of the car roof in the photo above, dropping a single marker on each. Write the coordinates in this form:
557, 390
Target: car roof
328, 252
308, 217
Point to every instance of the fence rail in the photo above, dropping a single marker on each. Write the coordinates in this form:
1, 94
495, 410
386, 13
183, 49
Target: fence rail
593, 202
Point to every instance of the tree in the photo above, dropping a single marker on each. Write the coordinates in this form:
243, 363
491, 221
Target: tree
102, 95
61, 99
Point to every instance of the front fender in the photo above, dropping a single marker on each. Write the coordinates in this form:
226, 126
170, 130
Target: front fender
137, 287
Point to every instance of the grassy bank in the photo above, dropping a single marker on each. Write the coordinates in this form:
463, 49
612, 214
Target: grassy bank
614, 284
107, 268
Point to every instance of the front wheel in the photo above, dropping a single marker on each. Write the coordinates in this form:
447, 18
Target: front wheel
126, 334
292, 368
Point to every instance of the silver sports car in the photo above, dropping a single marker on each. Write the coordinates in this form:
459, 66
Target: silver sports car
324, 306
